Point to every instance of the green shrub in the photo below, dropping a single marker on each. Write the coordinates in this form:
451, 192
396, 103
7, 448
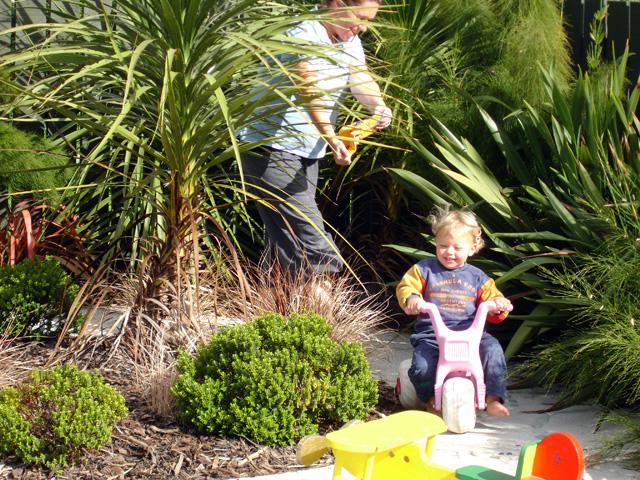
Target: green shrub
35, 296
273, 380
29, 163
50, 418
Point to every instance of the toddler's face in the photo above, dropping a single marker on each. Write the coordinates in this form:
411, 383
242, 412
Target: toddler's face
454, 246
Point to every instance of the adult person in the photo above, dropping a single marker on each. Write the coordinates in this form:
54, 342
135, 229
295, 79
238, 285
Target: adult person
284, 171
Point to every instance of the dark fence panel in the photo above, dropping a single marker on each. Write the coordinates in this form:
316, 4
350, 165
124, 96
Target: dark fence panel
573, 13
622, 25
634, 38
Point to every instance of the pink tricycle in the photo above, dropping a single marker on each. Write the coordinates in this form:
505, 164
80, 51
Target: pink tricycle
459, 388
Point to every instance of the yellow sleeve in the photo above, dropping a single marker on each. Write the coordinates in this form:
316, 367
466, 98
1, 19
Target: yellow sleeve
412, 283
489, 291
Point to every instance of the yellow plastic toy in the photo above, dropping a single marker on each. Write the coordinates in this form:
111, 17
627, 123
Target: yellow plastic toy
396, 447
357, 131
400, 447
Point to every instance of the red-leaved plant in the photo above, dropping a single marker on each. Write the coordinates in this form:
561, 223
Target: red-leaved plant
26, 232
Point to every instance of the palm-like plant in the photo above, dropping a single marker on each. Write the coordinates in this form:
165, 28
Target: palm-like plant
154, 91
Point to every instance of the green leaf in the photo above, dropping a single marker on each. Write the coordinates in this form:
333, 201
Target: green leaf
422, 187
410, 251
525, 266
523, 335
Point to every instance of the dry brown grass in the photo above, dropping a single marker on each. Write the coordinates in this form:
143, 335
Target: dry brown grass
353, 312
224, 291
115, 318
153, 363
115, 331
15, 361
148, 343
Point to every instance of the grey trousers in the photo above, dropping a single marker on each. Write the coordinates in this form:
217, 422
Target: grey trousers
295, 229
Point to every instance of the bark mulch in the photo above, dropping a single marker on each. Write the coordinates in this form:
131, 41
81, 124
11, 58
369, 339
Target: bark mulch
145, 446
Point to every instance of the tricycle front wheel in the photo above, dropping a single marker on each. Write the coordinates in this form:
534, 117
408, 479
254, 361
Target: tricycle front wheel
458, 404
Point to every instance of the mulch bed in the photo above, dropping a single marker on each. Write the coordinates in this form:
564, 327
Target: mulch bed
145, 446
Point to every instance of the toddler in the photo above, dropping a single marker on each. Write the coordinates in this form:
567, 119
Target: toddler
457, 289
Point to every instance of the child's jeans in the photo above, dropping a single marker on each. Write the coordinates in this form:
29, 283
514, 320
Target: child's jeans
425, 363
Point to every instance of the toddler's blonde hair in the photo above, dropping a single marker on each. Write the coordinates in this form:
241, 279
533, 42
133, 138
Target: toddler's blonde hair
445, 220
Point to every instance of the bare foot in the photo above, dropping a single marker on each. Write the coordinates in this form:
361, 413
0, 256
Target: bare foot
495, 408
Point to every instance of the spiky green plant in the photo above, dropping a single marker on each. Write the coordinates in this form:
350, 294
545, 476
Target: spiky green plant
155, 91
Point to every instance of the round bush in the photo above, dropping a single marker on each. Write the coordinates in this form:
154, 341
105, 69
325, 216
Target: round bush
30, 163
49, 419
35, 296
273, 380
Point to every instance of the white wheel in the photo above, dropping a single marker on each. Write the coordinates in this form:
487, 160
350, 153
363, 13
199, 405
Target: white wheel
405, 390
458, 404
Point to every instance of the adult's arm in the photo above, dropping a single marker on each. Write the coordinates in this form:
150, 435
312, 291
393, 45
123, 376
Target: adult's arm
367, 91
319, 113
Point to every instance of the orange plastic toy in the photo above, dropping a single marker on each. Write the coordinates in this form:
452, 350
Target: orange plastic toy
558, 456
357, 131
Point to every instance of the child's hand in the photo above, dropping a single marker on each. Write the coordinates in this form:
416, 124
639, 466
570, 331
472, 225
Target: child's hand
502, 305
412, 305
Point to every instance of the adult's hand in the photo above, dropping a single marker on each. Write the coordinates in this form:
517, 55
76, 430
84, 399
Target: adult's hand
385, 116
341, 155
